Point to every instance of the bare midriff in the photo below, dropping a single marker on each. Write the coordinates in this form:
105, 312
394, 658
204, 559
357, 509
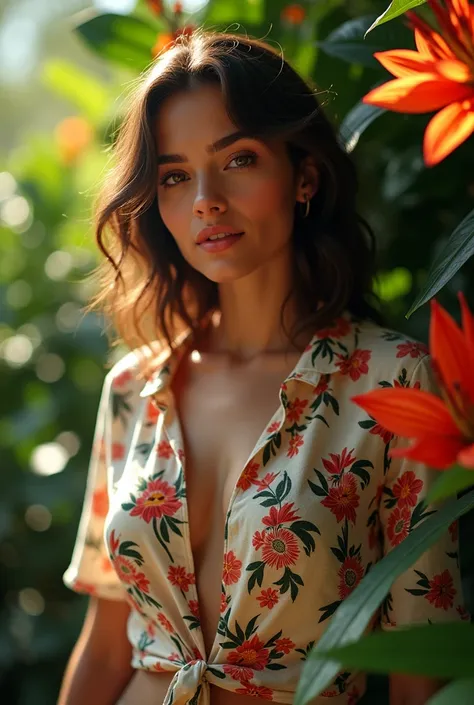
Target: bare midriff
150, 689
223, 409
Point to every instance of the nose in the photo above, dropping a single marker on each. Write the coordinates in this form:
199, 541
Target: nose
208, 201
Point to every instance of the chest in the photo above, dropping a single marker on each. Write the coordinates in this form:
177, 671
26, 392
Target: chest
223, 413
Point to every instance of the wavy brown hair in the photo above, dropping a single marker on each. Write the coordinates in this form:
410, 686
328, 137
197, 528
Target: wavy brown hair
146, 288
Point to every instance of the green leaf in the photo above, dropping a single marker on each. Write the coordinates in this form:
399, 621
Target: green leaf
347, 41
458, 249
356, 122
355, 612
460, 692
247, 11
450, 483
121, 39
394, 284
434, 650
396, 8
80, 88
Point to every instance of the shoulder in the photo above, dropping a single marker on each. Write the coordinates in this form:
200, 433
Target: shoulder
390, 356
132, 372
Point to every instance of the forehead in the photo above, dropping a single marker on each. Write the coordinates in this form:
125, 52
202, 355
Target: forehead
193, 116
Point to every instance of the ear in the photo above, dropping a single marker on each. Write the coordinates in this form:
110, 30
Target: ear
307, 179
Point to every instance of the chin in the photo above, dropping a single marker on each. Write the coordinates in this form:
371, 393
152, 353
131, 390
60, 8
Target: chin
225, 272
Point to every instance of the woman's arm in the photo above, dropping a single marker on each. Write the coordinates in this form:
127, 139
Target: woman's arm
412, 690
99, 666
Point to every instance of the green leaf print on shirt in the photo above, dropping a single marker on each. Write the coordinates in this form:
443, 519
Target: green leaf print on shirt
280, 545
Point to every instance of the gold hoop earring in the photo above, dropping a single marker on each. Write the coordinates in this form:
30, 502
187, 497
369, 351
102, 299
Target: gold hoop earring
306, 211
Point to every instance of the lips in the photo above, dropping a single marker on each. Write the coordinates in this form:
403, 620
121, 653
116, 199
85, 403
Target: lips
220, 244
214, 232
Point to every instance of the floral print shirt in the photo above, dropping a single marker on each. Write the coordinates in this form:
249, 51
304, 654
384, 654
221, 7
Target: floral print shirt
319, 501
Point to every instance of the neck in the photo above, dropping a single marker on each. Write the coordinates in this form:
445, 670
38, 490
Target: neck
251, 320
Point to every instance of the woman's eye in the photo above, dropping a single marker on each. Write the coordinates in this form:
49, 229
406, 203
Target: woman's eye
243, 160
172, 179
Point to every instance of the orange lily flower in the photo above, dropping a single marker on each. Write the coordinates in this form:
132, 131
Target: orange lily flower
438, 76
442, 428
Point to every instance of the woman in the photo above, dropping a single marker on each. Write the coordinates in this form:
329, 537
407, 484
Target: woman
240, 492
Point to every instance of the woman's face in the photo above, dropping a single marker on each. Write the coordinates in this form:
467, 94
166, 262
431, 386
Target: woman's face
208, 175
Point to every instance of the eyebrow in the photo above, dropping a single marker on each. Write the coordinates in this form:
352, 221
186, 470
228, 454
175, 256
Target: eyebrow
217, 146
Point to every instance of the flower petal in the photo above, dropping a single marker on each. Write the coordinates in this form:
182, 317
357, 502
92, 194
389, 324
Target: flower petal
461, 8
429, 42
404, 62
437, 453
410, 413
446, 131
450, 353
466, 458
418, 93
454, 70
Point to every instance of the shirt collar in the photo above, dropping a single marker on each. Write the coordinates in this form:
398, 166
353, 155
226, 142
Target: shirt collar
322, 355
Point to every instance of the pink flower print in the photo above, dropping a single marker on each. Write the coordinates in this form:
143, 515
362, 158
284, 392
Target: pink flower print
343, 499
280, 548
152, 412
295, 408
165, 450
258, 539
232, 568
178, 576
322, 386
118, 451
223, 603
100, 502
407, 488
398, 525
157, 500
340, 328
125, 570
378, 430
355, 365
251, 654
284, 645
266, 481
339, 462
295, 444
442, 591
273, 428
122, 379
255, 691
248, 476
280, 516
412, 349
268, 598
165, 623
194, 608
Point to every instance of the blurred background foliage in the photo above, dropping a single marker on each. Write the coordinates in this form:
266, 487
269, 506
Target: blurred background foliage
60, 106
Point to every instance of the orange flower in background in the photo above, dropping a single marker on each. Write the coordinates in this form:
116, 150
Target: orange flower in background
166, 40
438, 76
294, 14
156, 6
73, 135
442, 429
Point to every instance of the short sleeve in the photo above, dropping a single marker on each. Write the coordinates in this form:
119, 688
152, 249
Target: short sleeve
431, 590
90, 570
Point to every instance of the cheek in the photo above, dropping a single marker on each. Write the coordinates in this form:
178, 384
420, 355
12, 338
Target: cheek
175, 216
270, 196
